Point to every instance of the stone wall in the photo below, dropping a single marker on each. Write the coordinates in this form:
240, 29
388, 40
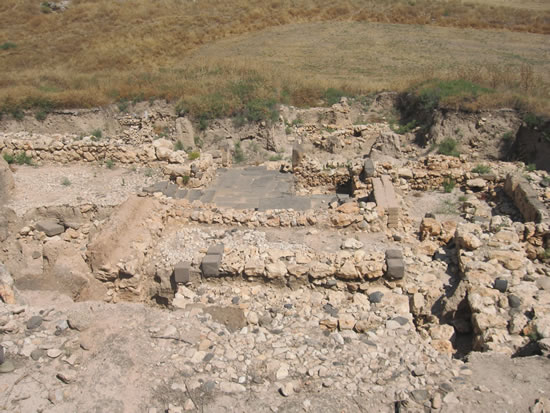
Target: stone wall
525, 199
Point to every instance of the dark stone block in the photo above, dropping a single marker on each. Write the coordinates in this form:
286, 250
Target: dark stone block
182, 272
210, 265
394, 253
396, 268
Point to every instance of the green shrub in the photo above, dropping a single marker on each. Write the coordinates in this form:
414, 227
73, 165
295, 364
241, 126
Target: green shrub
185, 179
277, 157
449, 185
333, 96
181, 109
7, 46
45, 7
148, 172
531, 167
448, 146
403, 129
96, 134
194, 155
238, 154
481, 169
532, 121
41, 115
122, 105
178, 146
109, 163
9, 158
65, 182
508, 136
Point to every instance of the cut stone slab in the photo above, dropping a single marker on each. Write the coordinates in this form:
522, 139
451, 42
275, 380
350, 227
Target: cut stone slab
368, 168
50, 227
182, 272
285, 202
158, 187
210, 265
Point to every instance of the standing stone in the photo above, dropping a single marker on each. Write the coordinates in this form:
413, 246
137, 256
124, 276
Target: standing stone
185, 133
298, 154
368, 168
7, 184
395, 264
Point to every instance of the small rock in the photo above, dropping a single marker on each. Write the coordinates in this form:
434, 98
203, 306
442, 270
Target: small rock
287, 389
514, 301
66, 376
34, 322
36, 354
282, 373
189, 405
351, 244
376, 297
501, 285
54, 353
436, 401
230, 387
419, 371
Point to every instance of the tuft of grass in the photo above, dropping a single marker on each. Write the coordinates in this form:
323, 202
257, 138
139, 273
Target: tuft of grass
185, 179
65, 181
481, 169
194, 155
148, 172
448, 185
7, 46
449, 147
178, 146
403, 129
531, 167
238, 154
277, 157
109, 163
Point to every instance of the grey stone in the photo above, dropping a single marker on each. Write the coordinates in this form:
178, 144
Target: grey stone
182, 272
296, 203
215, 249
401, 320
396, 268
50, 227
298, 153
36, 354
501, 285
514, 301
394, 253
420, 396
34, 322
2, 355
376, 297
210, 265
170, 190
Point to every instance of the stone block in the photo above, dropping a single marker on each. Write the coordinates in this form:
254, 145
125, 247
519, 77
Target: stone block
182, 272
158, 187
396, 268
210, 265
394, 253
50, 227
215, 250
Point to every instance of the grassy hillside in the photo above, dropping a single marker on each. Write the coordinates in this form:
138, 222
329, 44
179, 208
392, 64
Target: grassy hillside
102, 51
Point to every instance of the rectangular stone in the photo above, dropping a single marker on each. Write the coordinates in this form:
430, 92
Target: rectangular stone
210, 265
396, 268
182, 272
215, 249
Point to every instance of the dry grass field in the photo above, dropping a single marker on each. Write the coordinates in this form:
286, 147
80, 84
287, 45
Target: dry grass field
215, 54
